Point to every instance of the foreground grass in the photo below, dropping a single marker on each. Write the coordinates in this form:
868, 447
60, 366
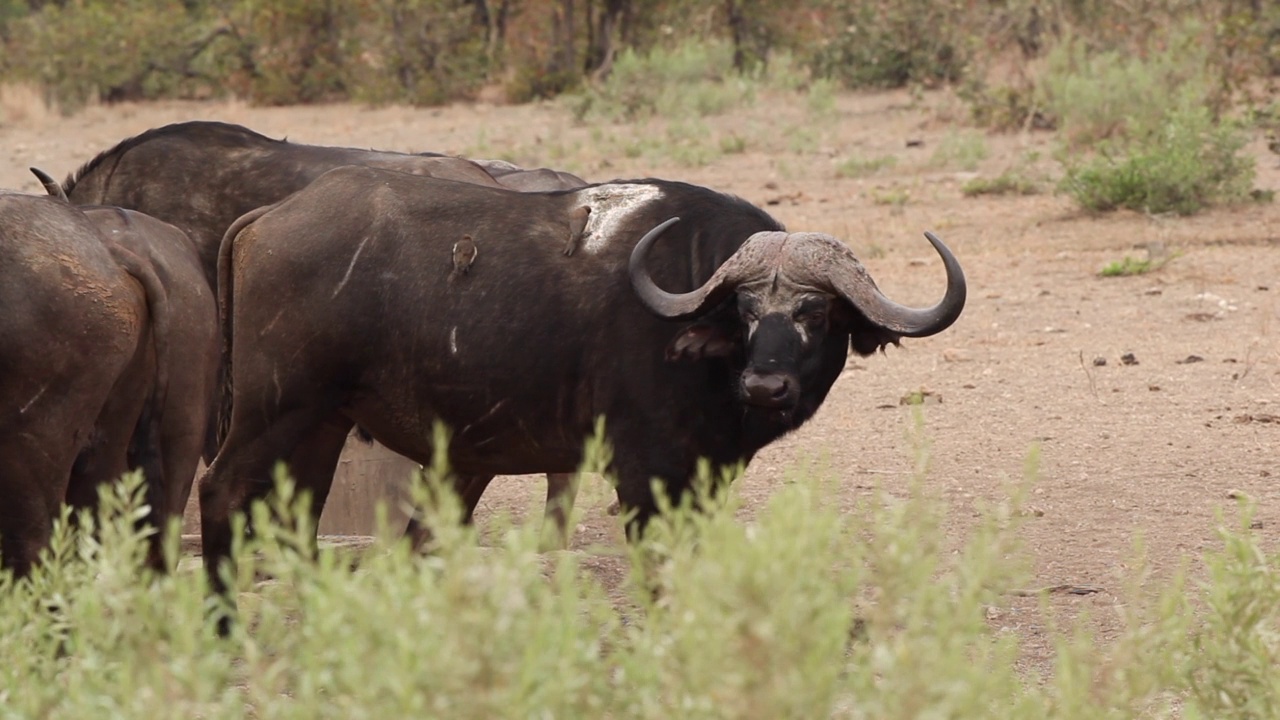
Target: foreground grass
805, 612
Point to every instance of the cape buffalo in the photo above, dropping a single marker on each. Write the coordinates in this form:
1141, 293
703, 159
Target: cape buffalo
109, 365
202, 175
715, 334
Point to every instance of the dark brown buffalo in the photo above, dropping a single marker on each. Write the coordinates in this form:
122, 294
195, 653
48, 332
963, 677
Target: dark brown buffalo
201, 176
514, 177
707, 338
109, 364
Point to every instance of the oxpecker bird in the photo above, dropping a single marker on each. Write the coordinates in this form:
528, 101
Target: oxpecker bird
577, 226
464, 254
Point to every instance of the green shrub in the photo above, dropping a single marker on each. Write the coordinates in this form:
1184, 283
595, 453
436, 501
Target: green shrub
857, 166
1128, 266
1187, 165
1237, 648
1011, 182
691, 80
963, 149
1096, 95
1004, 106
98, 49
800, 610
890, 43
295, 51
420, 52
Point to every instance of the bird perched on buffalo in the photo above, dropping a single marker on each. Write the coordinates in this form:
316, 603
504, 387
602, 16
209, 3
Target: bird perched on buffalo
577, 226
464, 254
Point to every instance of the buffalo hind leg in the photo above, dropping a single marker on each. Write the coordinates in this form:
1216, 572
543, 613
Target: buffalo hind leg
240, 475
27, 522
469, 489
313, 463
562, 491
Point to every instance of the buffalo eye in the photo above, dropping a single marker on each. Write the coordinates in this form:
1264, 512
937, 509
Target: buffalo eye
810, 316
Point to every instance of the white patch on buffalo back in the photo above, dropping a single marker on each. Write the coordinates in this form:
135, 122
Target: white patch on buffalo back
350, 267
33, 400
453, 340
611, 207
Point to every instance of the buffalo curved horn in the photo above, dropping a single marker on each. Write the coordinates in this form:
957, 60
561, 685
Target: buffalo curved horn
51, 186
851, 281
749, 261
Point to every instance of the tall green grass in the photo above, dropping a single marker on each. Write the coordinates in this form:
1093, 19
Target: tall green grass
803, 610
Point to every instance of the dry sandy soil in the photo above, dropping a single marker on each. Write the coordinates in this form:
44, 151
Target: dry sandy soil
1150, 449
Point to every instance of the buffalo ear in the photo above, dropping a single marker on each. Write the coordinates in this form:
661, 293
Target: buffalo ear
702, 340
865, 337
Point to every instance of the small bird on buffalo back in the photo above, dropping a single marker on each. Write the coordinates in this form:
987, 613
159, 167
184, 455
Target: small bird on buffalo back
464, 254
577, 226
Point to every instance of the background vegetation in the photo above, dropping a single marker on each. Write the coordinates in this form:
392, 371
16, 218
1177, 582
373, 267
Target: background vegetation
1151, 99
804, 611
433, 51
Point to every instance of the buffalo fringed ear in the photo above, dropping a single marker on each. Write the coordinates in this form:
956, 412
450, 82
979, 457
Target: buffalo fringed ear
846, 277
51, 186
750, 260
702, 340
865, 337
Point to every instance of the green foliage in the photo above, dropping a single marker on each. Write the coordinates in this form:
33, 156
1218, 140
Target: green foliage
691, 81
113, 50
1186, 165
414, 51
1098, 95
821, 98
890, 43
857, 166
1237, 648
421, 52
1128, 266
1003, 106
803, 610
963, 149
1010, 182
894, 196
733, 144
295, 49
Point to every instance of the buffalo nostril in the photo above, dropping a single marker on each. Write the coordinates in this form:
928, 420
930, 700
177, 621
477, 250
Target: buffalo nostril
766, 389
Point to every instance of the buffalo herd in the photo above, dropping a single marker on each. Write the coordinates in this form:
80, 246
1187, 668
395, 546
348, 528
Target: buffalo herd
201, 290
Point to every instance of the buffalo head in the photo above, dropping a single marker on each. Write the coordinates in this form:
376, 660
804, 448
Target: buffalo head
795, 293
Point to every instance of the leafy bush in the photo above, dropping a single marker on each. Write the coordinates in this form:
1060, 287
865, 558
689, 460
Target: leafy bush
1129, 266
1006, 183
858, 166
421, 52
803, 611
107, 49
1100, 95
890, 43
1188, 164
691, 80
964, 149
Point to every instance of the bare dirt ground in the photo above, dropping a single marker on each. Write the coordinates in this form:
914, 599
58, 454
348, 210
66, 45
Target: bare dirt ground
1151, 449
